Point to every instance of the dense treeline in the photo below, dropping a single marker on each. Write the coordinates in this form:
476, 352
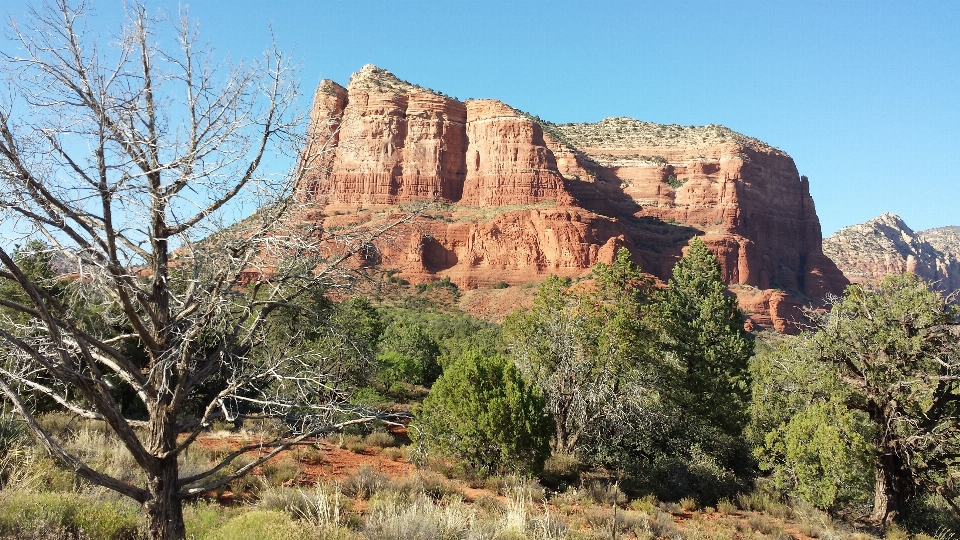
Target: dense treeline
659, 389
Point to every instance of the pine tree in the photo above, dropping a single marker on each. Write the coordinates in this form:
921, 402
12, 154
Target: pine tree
705, 344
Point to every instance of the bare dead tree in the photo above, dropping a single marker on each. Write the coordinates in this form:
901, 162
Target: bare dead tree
131, 162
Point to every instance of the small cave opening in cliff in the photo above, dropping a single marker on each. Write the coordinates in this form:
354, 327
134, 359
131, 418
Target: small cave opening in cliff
436, 256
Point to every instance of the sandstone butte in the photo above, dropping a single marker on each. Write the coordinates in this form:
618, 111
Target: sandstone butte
866, 252
517, 198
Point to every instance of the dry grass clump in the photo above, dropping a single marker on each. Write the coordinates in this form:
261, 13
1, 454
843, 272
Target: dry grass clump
380, 439
364, 483
321, 505
391, 516
280, 470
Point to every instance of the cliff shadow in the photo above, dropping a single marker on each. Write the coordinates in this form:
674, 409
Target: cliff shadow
435, 256
660, 242
602, 193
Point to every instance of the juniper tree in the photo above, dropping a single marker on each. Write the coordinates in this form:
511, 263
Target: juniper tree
895, 348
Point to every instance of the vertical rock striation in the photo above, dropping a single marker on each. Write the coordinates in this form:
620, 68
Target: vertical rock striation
523, 198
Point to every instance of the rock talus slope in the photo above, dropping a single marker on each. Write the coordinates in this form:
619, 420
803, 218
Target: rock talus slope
868, 251
518, 198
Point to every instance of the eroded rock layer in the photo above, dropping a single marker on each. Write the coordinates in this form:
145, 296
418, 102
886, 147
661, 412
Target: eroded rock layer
868, 251
520, 198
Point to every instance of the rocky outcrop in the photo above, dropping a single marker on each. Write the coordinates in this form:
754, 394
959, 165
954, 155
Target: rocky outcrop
519, 198
868, 251
394, 142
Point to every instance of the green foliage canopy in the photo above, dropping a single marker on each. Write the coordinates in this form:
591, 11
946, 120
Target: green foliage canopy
705, 344
481, 411
583, 345
871, 397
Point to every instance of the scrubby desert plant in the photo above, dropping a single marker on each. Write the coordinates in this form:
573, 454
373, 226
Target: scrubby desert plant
364, 483
482, 412
67, 515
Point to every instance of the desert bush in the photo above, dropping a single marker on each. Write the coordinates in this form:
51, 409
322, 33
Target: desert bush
380, 439
605, 493
364, 483
689, 504
764, 525
393, 453
561, 469
687, 469
482, 412
725, 506
661, 525
671, 507
763, 499
345, 440
647, 503
71, 514
280, 470
814, 522
261, 525
323, 505
489, 505
438, 487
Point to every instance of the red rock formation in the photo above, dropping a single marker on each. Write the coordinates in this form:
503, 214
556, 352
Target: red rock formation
399, 143
523, 198
508, 161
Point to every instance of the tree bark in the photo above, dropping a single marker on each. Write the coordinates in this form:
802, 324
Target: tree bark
891, 490
165, 510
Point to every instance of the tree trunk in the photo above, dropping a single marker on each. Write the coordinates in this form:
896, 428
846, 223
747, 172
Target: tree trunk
891, 490
165, 509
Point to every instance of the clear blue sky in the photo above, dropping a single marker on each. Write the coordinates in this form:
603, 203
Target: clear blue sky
865, 95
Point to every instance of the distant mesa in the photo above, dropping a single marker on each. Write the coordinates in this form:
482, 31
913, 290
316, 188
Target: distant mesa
868, 251
520, 198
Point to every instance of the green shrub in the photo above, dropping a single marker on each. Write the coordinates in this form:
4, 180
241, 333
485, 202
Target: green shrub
482, 412
676, 183
408, 354
396, 368
261, 525
67, 514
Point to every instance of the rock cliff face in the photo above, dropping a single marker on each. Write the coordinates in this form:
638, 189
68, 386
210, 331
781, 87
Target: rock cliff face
519, 198
886, 245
